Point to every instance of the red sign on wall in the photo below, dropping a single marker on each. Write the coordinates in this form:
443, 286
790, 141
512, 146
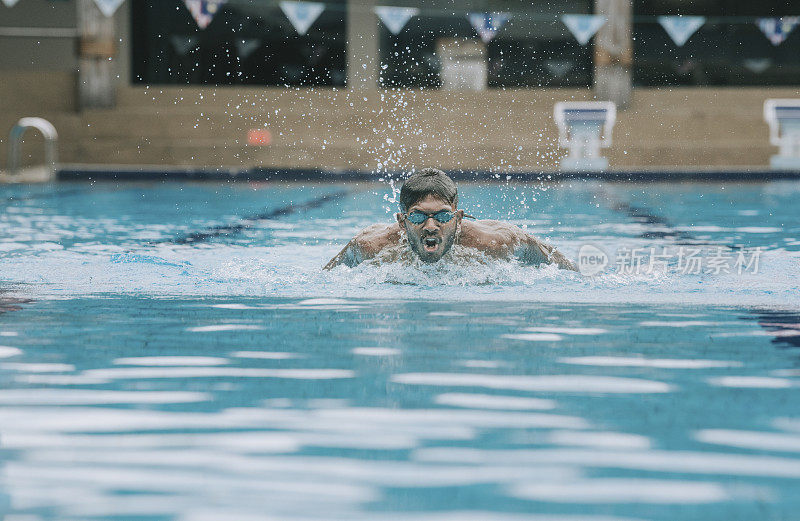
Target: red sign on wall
259, 137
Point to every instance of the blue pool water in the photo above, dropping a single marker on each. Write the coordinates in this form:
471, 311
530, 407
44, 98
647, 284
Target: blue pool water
174, 352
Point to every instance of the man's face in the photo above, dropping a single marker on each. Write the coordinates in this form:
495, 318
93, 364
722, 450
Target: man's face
431, 239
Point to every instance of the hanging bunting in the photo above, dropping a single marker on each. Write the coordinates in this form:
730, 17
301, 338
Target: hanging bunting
183, 44
777, 29
246, 47
487, 24
583, 26
395, 18
10, 3
203, 11
302, 14
681, 28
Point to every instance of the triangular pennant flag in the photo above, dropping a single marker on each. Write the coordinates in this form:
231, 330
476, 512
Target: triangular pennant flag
183, 44
777, 29
487, 24
559, 68
246, 47
757, 65
108, 7
583, 26
395, 18
681, 28
302, 14
203, 11
10, 3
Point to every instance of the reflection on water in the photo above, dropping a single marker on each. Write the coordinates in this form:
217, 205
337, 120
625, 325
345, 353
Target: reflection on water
784, 326
349, 409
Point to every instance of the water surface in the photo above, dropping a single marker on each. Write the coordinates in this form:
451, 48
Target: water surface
174, 352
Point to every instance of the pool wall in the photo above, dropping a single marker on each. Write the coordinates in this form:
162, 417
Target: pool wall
255, 174
329, 129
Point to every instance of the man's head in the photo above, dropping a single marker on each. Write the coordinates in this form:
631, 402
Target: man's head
429, 214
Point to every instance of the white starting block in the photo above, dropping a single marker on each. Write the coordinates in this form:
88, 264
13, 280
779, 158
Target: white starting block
583, 128
783, 118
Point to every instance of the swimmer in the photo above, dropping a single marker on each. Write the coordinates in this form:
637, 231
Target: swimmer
430, 223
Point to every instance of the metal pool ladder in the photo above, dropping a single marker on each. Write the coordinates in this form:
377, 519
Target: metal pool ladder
50, 144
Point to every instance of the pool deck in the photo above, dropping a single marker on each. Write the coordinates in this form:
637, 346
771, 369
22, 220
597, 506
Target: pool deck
75, 172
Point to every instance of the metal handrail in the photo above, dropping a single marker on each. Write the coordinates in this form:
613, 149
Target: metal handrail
50, 142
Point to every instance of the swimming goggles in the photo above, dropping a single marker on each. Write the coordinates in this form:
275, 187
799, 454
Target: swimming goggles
418, 217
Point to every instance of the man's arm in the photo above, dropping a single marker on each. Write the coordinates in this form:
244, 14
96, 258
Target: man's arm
366, 245
349, 256
504, 240
533, 251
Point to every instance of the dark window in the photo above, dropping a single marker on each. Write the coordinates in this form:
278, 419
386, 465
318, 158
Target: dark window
728, 50
247, 42
532, 49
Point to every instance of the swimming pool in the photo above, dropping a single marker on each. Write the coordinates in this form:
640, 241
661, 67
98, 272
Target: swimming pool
173, 351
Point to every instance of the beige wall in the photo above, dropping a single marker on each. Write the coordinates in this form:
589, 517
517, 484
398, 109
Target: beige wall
509, 130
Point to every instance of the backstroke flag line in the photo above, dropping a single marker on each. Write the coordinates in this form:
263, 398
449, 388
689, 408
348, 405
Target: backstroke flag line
395, 18
681, 28
583, 26
777, 29
203, 11
487, 24
302, 14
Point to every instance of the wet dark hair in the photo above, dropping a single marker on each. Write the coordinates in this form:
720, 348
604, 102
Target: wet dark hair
429, 181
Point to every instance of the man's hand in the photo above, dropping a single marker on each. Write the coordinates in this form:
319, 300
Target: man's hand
537, 252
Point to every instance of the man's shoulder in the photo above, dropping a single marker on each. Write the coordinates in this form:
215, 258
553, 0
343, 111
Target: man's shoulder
376, 237
490, 235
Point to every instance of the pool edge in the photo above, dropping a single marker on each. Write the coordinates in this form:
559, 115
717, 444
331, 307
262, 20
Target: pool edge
78, 172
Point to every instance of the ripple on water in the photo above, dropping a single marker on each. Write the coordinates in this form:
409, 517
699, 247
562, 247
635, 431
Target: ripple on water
51, 396
267, 355
752, 382
534, 337
756, 440
7, 351
125, 373
376, 351
623, 491
172, 361
225, 327
37, 368
568, 330
493, 401
470, 418
552, 383
484, 364
600, 440
660, 363
650, 460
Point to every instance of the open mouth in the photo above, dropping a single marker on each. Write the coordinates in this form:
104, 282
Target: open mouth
430, 243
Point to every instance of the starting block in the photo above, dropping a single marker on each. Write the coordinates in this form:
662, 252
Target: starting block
783, 118
583, 128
